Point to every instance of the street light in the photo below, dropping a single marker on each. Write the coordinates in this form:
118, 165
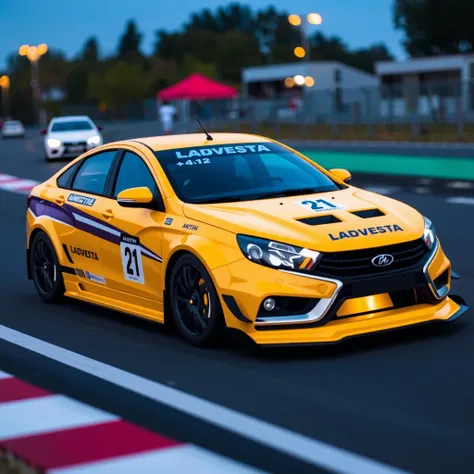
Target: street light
5, 85
302, 21
33, 53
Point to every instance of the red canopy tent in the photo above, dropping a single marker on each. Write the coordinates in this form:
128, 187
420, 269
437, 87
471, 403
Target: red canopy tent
197, 87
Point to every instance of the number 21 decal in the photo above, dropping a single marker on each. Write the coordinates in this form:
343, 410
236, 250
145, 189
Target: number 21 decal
320, 205
132, 259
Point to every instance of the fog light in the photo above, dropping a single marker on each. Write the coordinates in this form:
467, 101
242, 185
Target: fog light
269, 304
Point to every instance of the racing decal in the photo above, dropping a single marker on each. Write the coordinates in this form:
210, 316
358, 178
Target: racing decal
83, 200
202, 154
84, 253
320, 205
90, 276
222, 150
381, 229
198, 161
168, 221
74, 217
190, 227
132, 259
68, 255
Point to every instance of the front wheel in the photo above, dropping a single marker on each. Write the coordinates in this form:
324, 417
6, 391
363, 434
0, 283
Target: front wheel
194, 302
45, 269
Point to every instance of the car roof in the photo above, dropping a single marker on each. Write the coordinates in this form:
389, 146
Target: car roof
68, 118
168, 142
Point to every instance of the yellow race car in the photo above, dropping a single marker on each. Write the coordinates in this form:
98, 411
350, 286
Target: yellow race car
237, 231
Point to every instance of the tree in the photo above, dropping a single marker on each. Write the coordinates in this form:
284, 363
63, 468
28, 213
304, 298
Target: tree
121, 83
276, 36
232, 17
366, 58
129, 43
90, 51
435, 27
235, 50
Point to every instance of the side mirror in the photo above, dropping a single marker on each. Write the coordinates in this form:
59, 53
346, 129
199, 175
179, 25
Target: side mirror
341, 174
43, 131
100, 127
135, 197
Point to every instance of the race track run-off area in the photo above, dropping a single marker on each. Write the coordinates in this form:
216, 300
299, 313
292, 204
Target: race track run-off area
389, 403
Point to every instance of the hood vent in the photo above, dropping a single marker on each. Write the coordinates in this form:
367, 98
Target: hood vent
368, 213
320, 220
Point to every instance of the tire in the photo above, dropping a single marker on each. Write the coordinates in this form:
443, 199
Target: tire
190, 286
45, 269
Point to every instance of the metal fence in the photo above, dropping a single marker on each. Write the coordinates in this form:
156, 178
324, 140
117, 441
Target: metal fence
435, 111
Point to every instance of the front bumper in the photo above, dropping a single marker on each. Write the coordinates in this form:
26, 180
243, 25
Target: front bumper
67, 151
417, 295
13, 133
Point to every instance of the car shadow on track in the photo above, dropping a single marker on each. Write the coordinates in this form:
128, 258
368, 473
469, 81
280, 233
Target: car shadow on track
239, 344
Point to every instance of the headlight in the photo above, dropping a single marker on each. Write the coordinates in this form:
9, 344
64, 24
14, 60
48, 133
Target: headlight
95, 140
278, 255
53, 143
429, 235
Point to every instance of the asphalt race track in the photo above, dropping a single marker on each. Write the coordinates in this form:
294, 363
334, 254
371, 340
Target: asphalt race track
404, 399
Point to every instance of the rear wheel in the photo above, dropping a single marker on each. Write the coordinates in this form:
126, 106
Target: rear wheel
45, 269
194, 302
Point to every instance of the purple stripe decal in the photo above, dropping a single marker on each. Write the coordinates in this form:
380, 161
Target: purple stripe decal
63, 213
46, 208
101, 234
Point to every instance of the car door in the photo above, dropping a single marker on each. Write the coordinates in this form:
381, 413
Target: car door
137, 264
91, 245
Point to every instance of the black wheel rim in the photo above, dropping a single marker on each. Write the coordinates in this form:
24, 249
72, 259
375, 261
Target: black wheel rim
192, 301
44, 267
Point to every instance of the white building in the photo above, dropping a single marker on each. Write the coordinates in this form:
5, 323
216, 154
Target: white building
337, 88
440, 87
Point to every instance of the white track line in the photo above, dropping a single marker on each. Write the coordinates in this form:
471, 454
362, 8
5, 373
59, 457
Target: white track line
4, 375
40, 415
175, 460
461, 200
383, 189
291, 443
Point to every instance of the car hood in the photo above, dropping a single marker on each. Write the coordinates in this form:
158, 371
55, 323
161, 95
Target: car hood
331, 224
73, 136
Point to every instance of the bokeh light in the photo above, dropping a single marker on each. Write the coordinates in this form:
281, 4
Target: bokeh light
315, 18
299, 80
309, 81
289, 82
299, 52
294, 20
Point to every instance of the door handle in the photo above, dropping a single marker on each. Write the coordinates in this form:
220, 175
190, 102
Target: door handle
108, 214
60, 200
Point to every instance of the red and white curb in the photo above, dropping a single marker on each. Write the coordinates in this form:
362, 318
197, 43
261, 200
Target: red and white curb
50, 433
16, 185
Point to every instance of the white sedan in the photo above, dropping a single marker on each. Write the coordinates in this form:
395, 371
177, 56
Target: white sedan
68, 137
13, 129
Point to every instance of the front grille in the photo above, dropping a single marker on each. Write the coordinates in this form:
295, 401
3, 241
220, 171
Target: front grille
358, 263
75, 143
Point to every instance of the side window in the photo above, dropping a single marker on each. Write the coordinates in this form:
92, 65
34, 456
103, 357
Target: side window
93, 173
133, 173
64, 179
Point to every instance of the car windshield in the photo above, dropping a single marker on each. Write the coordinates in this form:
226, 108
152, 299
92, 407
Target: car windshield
241, 172
71, 126
11, 124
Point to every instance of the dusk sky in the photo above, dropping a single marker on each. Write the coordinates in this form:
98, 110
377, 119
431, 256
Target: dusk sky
66, 24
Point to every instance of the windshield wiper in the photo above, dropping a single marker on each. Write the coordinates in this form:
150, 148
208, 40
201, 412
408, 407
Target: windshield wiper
291, 192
